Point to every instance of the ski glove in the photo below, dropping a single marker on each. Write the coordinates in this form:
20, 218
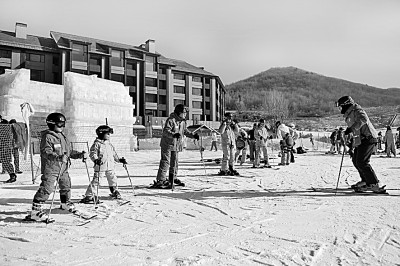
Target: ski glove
177, 135
348, 131
123, 160
196, 136
98, 162
63, 158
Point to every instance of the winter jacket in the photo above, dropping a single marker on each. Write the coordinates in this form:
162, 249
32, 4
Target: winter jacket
228, 134
105, 151
174, 124
261, 135
357, 119
281, 131
388, 138
20, 135
52, 145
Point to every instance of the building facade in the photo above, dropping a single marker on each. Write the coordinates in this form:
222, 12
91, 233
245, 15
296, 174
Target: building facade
156, 83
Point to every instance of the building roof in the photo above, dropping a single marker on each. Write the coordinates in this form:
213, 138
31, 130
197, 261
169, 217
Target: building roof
60, 39
179, 65
31, 42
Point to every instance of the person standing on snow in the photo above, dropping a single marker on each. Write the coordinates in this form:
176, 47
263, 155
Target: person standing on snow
228, 130
295, 136
364, 142
214, 141
104, 156
252, 143
286, 142
389, 140
241, 137
171, 144
55, 155
261, 135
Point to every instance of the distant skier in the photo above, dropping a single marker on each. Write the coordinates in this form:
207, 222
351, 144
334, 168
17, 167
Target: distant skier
389, 141
242, 140
228, 130
55, 155
261, 135
286, 142
104, 156
364, 142
171, 144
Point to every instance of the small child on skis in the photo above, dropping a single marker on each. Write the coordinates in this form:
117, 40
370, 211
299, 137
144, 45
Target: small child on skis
55, 155
104, 156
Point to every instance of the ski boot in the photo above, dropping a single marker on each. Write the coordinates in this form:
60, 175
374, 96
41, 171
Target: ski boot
375, 188
359, 184
69, 206
161, 184
233, 171
37, 214
90, 200
223, 172
116, 195
176, 181
12, 179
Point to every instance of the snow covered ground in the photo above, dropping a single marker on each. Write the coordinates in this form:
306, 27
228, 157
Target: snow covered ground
267, 217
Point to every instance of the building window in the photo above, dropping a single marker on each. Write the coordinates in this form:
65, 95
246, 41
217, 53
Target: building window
162, 113
131, 66
179, 76
162, 99
117, 58
117, 77
162, 84
135, 54
35, 58
151, 82
151, 63
95, 61
197, 105
197, 91
207, 92
150, 112
56, 77
208, 105
79, 52
177, 101
208, 117
5, 54
196, 79
179, 89
151, 98
37, 75
130, 81
56, 60
207, 80
162, 70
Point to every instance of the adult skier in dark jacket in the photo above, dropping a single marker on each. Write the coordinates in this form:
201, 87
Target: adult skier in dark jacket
55, 153
171, 144
365, 140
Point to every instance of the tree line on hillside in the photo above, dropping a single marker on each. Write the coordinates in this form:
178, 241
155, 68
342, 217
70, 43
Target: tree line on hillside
293, 92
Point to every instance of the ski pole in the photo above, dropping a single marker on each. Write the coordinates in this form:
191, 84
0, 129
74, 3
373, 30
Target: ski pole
340, 169
54, 193
130, 180
96, 198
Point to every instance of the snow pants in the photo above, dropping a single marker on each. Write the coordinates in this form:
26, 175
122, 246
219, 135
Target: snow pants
261, 146
228, 157
243, 151
111, 179
47, 186
214, 144
252, 148
361, 158
169, 161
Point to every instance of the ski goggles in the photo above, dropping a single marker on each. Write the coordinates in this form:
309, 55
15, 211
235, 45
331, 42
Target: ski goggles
58, 124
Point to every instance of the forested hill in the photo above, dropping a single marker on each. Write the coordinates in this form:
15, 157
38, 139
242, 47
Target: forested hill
302, 93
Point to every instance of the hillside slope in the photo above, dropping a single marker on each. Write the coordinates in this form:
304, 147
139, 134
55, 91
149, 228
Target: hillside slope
308, 93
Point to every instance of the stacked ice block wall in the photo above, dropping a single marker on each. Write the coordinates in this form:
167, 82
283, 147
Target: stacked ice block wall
17, 88
89, 101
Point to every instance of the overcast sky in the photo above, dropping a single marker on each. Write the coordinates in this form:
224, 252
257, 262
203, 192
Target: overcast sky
356, 40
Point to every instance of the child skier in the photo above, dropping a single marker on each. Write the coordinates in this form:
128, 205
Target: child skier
228, 130
55, 155
103, 154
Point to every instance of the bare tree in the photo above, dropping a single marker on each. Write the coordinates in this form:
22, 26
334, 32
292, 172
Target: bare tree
276, 104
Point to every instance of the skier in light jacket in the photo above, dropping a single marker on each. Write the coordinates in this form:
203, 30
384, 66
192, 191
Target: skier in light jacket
171, 144
261, 135
228, 129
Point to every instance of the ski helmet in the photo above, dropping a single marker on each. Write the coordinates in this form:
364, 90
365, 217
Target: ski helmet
55, 119
101, 130
228, 114
180, 108
345, 102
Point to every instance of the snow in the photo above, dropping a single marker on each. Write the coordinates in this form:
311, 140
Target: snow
266, 217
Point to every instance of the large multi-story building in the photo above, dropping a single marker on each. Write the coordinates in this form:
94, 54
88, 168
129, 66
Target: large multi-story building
156, 83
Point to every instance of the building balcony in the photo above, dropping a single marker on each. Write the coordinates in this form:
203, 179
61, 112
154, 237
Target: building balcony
117, 70
151, 90
179, 82
162, 92
162, 77
131, 72
79, 65
95, 68
196, 84
151, 106
207, 86
162, 107
5, 62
